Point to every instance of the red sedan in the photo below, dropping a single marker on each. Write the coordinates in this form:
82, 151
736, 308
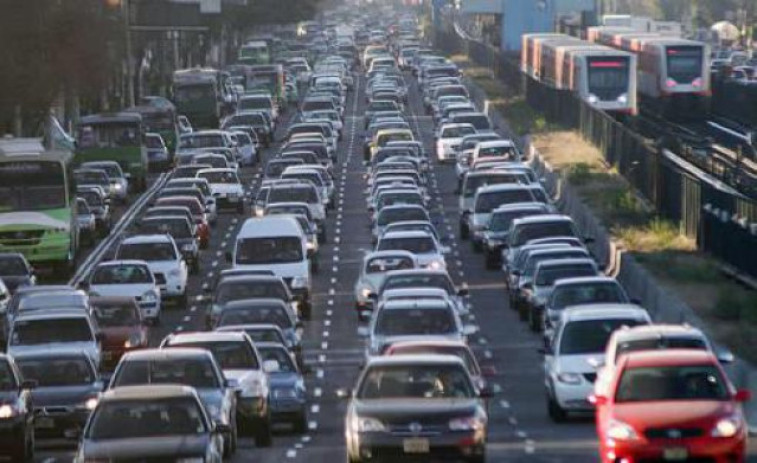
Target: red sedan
198, 212
120, 322
671, 405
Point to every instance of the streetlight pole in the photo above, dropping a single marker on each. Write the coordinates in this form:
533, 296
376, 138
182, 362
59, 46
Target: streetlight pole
129, 61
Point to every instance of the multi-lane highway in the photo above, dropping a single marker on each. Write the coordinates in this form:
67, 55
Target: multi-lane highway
519, 430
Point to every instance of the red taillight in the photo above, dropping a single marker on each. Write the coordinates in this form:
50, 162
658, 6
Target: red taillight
670, 83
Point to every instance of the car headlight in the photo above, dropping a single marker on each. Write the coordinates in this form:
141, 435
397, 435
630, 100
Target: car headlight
133, 341
7, 411
188, 247
118, 186
469, 423
726, 427
618, 430
364, 424
569, 378
149, 296
623, 99
299, 282
436, 264
593, 99
310, 245
90, 403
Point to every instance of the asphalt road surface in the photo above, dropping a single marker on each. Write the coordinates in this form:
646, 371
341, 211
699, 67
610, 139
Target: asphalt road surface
519, 428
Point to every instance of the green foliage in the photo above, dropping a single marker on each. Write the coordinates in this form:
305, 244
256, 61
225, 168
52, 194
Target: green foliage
733, 306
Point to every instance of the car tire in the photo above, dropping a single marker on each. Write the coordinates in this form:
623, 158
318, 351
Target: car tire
263, 434
195, 268
230, 447
24, 451
490, 261
307, 310
314, 265
534, 321
556, 413
300, 423
523, 311
477, 459
464, 232
183, 300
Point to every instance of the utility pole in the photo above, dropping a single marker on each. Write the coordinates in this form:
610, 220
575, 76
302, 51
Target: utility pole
129, 59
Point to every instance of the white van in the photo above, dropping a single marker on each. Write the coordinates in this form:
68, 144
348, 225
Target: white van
277, 244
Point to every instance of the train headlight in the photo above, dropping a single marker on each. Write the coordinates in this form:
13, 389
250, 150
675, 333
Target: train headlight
623, 99
593, 99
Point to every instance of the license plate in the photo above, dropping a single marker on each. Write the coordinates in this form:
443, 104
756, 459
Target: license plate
415, 445
675, 454
44, 423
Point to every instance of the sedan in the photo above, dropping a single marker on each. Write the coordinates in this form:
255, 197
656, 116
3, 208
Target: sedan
374, 267
152, 423
122, 326
16, 412
288, 392
671, 405
416, 406
429, 252
131, 279
15, 271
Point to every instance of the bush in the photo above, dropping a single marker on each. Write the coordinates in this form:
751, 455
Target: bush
728, 306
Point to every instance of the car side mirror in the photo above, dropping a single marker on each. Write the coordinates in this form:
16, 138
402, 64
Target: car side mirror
229, 257
486, 392
743, 395
725, 357
470, 330
127, 175
598, 399
28, 384
83, 285
463, 291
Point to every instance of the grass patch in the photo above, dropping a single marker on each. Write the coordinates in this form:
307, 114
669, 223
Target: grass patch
658, 235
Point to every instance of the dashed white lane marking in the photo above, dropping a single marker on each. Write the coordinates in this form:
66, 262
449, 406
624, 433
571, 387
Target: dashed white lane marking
513, 421
488, 354
214, 264
504, 404
333, 280
324, 345
313, 425
329, 312
327, 323
298, 445
521, 434
315, 408
198, 298
305, 439
186, 318
223, 244
319, 373
325, 334
292, 453
322, 358
317, 392
335, 269
331, 291
330, 302
530, 446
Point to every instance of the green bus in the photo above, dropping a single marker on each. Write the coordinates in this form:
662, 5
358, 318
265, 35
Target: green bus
161, 120
116, 137
38, 204
269, 77
203, 95
254, 52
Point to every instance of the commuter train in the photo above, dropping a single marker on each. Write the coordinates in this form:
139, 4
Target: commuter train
600, 75
673, 73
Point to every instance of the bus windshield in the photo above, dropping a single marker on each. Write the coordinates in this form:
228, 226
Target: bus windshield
32, 186
184, 94
109, 135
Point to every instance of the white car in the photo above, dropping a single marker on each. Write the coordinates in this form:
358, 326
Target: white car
248, 154
569, 371
164, 259
41, 331
119, 182
448, 139
372, 271
128, 278
226, 188
428, 252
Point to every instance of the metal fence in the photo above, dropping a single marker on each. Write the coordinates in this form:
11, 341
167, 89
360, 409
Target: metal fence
722, 220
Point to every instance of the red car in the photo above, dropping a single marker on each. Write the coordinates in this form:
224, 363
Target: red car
120, 322
671, 405
198, 212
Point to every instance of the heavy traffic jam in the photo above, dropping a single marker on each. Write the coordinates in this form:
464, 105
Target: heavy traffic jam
323, 251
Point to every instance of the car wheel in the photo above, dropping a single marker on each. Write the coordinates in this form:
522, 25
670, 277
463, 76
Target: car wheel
477, 459
263, 434
184, 300
307, 309
556, 413
491, 261
195, 268
300, 424
314, 266
534, 321
523, 311
24, 451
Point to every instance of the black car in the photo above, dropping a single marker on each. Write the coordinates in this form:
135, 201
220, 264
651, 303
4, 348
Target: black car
15, 271
152, 423
67, 390
424, 407
183, 233
16, 413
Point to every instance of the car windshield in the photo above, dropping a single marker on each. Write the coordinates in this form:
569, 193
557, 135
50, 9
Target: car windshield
116, 314
457, 132
13, 265
438, 280
308, 176
147, 251
458, 351
237, 355
274, 250
7, 378
111, 169
663, 383
177, 228
91, 177
416, 382
219, 176
202, 141
507, 152
293, 195
587, 293
281, 355
248, 289
196, 372
661, 342
121, 275
129, 419
50, 331
501, 221
386, 264
402, 214
264, 335
590, 336
57, 371
548, 276
474, 182
52, 299
487, 202
535, 258
416, 245
479, 121
535, 231
273, 315
405, 322
154, 142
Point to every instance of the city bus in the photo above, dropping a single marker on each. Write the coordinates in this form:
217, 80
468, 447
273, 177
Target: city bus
161, 120
38, 204
254, 52
116, 137
269, 77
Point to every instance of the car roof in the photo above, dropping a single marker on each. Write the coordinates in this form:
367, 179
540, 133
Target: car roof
542, 218
257, 302
406, 234
113, 263
441, 342
587, 312
534, 205
426, 359
496, 143
145, 239
418, 271
501, 187
669, 357
565, 262
206, 336
268, 226
585, 280
148, 391
163, 354
659, 331
52, 314
57, 353
391, 253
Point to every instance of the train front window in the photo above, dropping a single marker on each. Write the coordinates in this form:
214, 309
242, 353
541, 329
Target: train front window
608, 77
684, 64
